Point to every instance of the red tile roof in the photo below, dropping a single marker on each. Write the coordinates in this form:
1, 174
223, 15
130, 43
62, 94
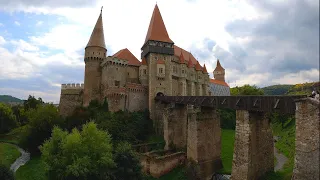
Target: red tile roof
157, 30
190, 64
219, 67
181, 58
186, 54
127, 55
214, 81
198, 67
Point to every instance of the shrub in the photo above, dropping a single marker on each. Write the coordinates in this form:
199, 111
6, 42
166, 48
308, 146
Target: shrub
41, 121
85, 154
7, 119
128, 164
5, 173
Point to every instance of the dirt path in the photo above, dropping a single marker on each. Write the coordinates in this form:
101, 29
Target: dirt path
281, 159
24, 158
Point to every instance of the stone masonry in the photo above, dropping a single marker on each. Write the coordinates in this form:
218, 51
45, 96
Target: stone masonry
204, 140
253, 149
175, 126
307, 152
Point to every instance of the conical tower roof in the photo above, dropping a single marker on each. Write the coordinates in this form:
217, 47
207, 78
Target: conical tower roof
204, 68
157, 30
198, 67
181, 58
219, 67
97, 35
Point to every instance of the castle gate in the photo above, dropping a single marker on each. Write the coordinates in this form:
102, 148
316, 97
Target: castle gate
191, 122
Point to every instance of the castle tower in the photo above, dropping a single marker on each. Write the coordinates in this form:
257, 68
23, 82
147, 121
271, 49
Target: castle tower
95, 52
158, 51
219, 72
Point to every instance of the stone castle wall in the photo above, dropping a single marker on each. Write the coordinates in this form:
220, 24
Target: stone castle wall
157, 166
307, 151
71, 97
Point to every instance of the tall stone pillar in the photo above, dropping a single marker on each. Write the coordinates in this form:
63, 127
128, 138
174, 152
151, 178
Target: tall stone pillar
307, 152
204, 140
175, 126
253, 148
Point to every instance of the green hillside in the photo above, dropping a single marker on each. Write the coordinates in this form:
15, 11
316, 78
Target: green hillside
290, 89
277, 89
9, 99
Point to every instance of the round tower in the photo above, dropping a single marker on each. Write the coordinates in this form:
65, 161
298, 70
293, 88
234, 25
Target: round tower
95, 52
219, 72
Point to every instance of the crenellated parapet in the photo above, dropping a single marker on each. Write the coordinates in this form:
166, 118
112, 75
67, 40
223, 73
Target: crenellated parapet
72, 86
114, 61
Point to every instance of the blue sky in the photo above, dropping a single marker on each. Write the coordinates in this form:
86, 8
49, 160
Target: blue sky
258, 42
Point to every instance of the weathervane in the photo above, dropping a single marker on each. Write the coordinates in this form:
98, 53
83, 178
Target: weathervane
101, 8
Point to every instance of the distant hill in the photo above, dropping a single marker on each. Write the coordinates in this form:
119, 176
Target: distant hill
277, 89
290, 89
10, 99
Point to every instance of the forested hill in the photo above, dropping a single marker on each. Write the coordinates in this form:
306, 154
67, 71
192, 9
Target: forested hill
290, 89
9, 99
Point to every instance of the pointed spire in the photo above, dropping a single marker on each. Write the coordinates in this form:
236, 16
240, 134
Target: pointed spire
97, 35
219, 67
204, 69
143, 62
198, 67
157, 30
181, 58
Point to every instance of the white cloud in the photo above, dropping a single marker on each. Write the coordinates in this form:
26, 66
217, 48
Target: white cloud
300, 77
2, 41
39, 23
23, 45
17, 23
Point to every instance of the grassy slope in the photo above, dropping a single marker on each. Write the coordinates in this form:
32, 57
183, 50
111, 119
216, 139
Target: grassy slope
14, 136
32, 170
227, 142
8, 154
286, 145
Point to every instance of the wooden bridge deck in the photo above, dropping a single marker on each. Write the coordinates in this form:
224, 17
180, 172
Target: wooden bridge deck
281, 104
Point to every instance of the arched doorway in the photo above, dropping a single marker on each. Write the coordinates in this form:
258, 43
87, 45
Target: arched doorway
160, 94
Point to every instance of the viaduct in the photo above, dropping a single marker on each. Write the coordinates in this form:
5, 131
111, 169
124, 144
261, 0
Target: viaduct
192, 123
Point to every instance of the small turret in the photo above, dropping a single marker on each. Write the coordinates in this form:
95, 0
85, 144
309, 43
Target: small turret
219, 72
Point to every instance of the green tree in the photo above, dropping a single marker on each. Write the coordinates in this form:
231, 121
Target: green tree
7, 119
128, 164
32, 102
41, 121
85, 154
228, 116
20, 114
246, 90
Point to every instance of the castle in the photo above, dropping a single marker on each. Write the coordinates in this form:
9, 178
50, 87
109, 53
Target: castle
130, 84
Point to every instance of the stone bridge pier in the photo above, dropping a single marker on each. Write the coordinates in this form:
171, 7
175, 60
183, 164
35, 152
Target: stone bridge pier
196, 131
175, 126
307, 151
253, 149
204, 140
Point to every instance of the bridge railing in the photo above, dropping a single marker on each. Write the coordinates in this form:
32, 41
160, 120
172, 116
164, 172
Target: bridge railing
281, 104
